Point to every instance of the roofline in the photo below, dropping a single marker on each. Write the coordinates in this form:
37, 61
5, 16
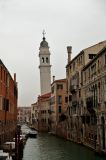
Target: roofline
34, 103
98, 54
95, 45
47, 95
1, 62
59, 80
82, 51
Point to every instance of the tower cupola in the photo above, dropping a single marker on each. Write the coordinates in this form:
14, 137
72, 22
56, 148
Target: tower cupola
44, 44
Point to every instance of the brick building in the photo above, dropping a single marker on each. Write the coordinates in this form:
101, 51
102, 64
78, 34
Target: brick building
8, 104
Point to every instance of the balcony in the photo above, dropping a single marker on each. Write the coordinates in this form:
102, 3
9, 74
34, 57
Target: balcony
73, 88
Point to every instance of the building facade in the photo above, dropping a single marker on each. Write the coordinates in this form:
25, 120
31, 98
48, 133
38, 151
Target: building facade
75, 101
45, 67
8, 104
58, 106
43, 113
94, 102
24, 115
34, 115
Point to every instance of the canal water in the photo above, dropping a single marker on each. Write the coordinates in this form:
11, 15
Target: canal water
48, 147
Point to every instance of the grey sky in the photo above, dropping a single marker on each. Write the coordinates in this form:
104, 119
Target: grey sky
79, 23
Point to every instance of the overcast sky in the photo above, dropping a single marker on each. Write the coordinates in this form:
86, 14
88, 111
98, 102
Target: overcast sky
79, 23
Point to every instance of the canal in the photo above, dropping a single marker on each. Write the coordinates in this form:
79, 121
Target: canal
48, 147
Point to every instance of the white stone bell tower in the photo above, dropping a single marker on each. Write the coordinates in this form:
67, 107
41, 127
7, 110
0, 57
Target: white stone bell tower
45, 67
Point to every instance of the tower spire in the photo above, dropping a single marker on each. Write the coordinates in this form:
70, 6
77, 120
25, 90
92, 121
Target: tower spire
43, 34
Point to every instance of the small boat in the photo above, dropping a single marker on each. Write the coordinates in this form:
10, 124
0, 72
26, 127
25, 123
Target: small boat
32, 134
4, 156
9, 146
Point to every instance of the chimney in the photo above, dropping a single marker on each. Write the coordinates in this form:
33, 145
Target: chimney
69, 51
53, 78
14, 77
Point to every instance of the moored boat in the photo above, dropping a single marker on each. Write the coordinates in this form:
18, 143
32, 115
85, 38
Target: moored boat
4, 156
32, 134
8, 146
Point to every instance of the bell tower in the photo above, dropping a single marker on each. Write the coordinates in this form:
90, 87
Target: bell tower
44, 67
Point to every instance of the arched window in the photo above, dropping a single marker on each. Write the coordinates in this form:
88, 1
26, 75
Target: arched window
47, 60
43, 60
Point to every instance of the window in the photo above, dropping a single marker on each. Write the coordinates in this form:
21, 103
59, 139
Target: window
49, 111
59, 99
43, 60
48, 120
59, 109
85, 76
89, 73
91, 56
66, 99
59, 86
81, 59
47, 60
5, 104
70, 98
79, 92
52, 100
98, 64
93, 70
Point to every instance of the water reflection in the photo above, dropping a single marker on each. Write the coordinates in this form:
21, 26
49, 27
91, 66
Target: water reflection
47, 147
